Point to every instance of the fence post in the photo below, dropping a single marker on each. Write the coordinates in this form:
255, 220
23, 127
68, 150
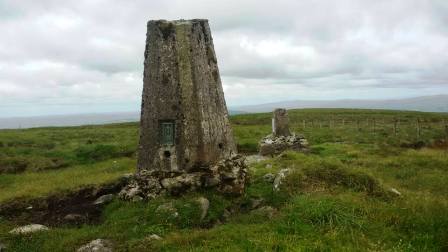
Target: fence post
304, 123
418, 128
395, 126
374, 125
446, 130
357, 125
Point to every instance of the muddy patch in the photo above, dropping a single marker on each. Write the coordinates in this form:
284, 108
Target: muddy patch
413, 145
440, 144
64, 208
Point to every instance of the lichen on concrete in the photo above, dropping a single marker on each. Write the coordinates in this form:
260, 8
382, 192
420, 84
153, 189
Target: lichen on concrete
182, 96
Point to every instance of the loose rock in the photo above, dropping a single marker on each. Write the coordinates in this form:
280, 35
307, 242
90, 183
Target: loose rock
98, 245
266, 211
395, 192
228, 176
269, 177
130, 191
252, 159
32, 228
273, 145
75, 218
204, 204
279, 179
153, 237
137, 198
104, 199
182, 182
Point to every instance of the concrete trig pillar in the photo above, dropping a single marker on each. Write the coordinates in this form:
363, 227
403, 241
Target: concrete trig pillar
184, 118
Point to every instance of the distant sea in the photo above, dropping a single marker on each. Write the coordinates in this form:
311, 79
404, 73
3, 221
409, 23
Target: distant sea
67, 120
72, 120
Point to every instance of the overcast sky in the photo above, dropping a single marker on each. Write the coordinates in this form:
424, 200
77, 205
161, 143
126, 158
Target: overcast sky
60, 57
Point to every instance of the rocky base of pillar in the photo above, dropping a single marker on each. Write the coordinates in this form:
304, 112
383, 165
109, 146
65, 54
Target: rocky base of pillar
273, 145
228, 176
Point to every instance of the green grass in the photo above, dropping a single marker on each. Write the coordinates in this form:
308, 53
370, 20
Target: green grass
54, 148
336, 198
37, 184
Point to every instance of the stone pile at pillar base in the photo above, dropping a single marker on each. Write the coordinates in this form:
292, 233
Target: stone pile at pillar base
274, 145
228, 176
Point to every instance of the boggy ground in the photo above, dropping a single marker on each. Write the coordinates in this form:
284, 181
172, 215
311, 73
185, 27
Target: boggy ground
52, 210
336, 197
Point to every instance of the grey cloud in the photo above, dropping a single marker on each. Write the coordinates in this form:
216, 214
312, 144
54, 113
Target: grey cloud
92, 51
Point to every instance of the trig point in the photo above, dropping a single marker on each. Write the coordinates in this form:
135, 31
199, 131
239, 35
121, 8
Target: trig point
184, 120
185, 136
281, 138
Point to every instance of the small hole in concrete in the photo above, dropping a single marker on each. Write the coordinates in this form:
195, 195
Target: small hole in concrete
187, 160
220, 145
167, 154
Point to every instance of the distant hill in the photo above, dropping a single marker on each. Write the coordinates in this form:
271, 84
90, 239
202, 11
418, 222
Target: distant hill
67, 120
74, 119
435, 103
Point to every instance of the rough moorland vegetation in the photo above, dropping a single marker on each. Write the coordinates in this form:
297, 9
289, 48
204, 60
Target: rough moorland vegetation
341, 195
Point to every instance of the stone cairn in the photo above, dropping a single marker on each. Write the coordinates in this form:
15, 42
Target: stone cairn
186, 141
281, 138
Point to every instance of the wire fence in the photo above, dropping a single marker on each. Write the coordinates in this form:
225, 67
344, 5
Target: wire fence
402, 131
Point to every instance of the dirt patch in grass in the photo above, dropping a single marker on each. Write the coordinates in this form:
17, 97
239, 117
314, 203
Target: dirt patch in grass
413, 145
440, 144
52, 210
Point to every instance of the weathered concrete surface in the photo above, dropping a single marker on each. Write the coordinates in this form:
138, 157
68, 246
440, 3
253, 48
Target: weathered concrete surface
186, 142
182, 86
281, 123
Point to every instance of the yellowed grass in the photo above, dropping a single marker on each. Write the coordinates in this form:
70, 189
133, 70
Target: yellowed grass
35, 184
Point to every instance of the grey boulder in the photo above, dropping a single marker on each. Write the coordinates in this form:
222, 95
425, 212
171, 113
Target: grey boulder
75, 218
281, 176
204, 204
98, 245
32, 228
104, 199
